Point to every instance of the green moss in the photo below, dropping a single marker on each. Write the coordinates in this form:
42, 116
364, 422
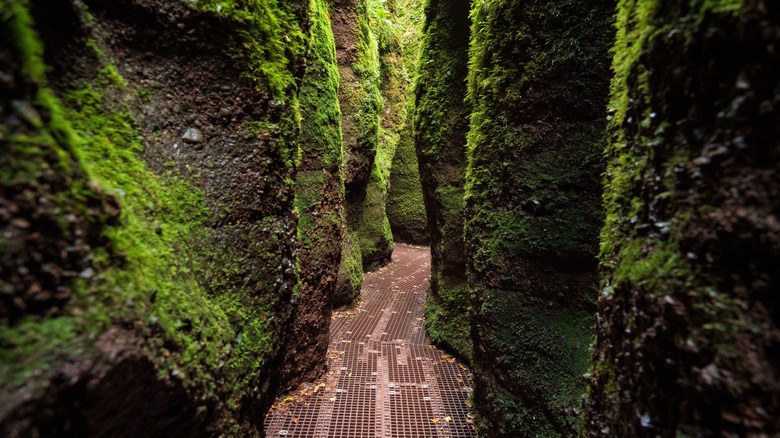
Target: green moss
375, 236
440, 127
447, 319
645, 251
321, 126
29, 346
361, 102
405, 204
320, 182
271, 40
351, 267
546, 349
163, 270
538, 75
163, 221
367, 98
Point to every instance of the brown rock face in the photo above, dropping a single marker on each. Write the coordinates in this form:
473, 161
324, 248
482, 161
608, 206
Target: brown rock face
688, 336
441, 126
538, 82
320, 202
367, 242
182, 333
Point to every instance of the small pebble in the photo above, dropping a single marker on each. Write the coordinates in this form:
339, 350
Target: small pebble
192, 135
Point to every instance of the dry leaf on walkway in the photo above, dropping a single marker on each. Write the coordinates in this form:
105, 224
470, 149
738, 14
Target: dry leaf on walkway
435, 420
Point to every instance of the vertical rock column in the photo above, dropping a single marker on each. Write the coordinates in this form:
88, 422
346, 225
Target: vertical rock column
688, 339
148, 241
319, 198
360, 99
405, 204
441, 124
538, 84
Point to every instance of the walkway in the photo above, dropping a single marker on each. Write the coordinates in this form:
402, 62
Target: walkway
385, 379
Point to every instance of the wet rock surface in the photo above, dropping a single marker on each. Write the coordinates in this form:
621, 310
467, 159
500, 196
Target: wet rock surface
441, 126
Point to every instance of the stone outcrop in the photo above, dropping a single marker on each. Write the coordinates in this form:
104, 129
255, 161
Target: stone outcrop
441, 124
149, 238
405, 204
538, 82
319, 201
688, 334
365, 243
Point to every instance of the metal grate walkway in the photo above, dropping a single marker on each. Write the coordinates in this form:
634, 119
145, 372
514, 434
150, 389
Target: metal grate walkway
384, 379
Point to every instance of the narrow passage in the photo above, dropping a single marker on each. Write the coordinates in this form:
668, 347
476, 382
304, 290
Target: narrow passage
384, 378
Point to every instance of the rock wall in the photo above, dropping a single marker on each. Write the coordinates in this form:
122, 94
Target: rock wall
688, 336
319, 201
538, 82
441, 124
148, 268
357, 54
405, 204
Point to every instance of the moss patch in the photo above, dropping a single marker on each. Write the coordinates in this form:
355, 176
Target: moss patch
319, 195
405, 204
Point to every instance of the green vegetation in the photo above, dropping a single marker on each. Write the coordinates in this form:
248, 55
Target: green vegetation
546, 349
671, 272
320, 140
538, 84
361, 103
367, 71
448, 323
205, 312
271, 40
440, 127
405, 203
319, 200
369, 147
374, 233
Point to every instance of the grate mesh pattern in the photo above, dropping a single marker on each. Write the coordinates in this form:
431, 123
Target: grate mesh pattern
384, 379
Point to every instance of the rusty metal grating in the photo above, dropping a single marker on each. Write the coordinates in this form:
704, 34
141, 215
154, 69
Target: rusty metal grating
384, 379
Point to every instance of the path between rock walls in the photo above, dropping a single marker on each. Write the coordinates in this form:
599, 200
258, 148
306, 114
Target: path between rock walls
384, 378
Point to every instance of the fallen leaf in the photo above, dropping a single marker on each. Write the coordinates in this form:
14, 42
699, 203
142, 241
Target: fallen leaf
447, 418
435, 420
332, 399
295, 419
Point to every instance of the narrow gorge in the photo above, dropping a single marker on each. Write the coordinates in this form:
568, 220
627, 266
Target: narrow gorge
562, 215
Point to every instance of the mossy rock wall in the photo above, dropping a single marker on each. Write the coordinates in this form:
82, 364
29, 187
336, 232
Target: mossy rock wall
357, 54
688, 335
319, 199
538, 83
441, 124
405, 204
149, 236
